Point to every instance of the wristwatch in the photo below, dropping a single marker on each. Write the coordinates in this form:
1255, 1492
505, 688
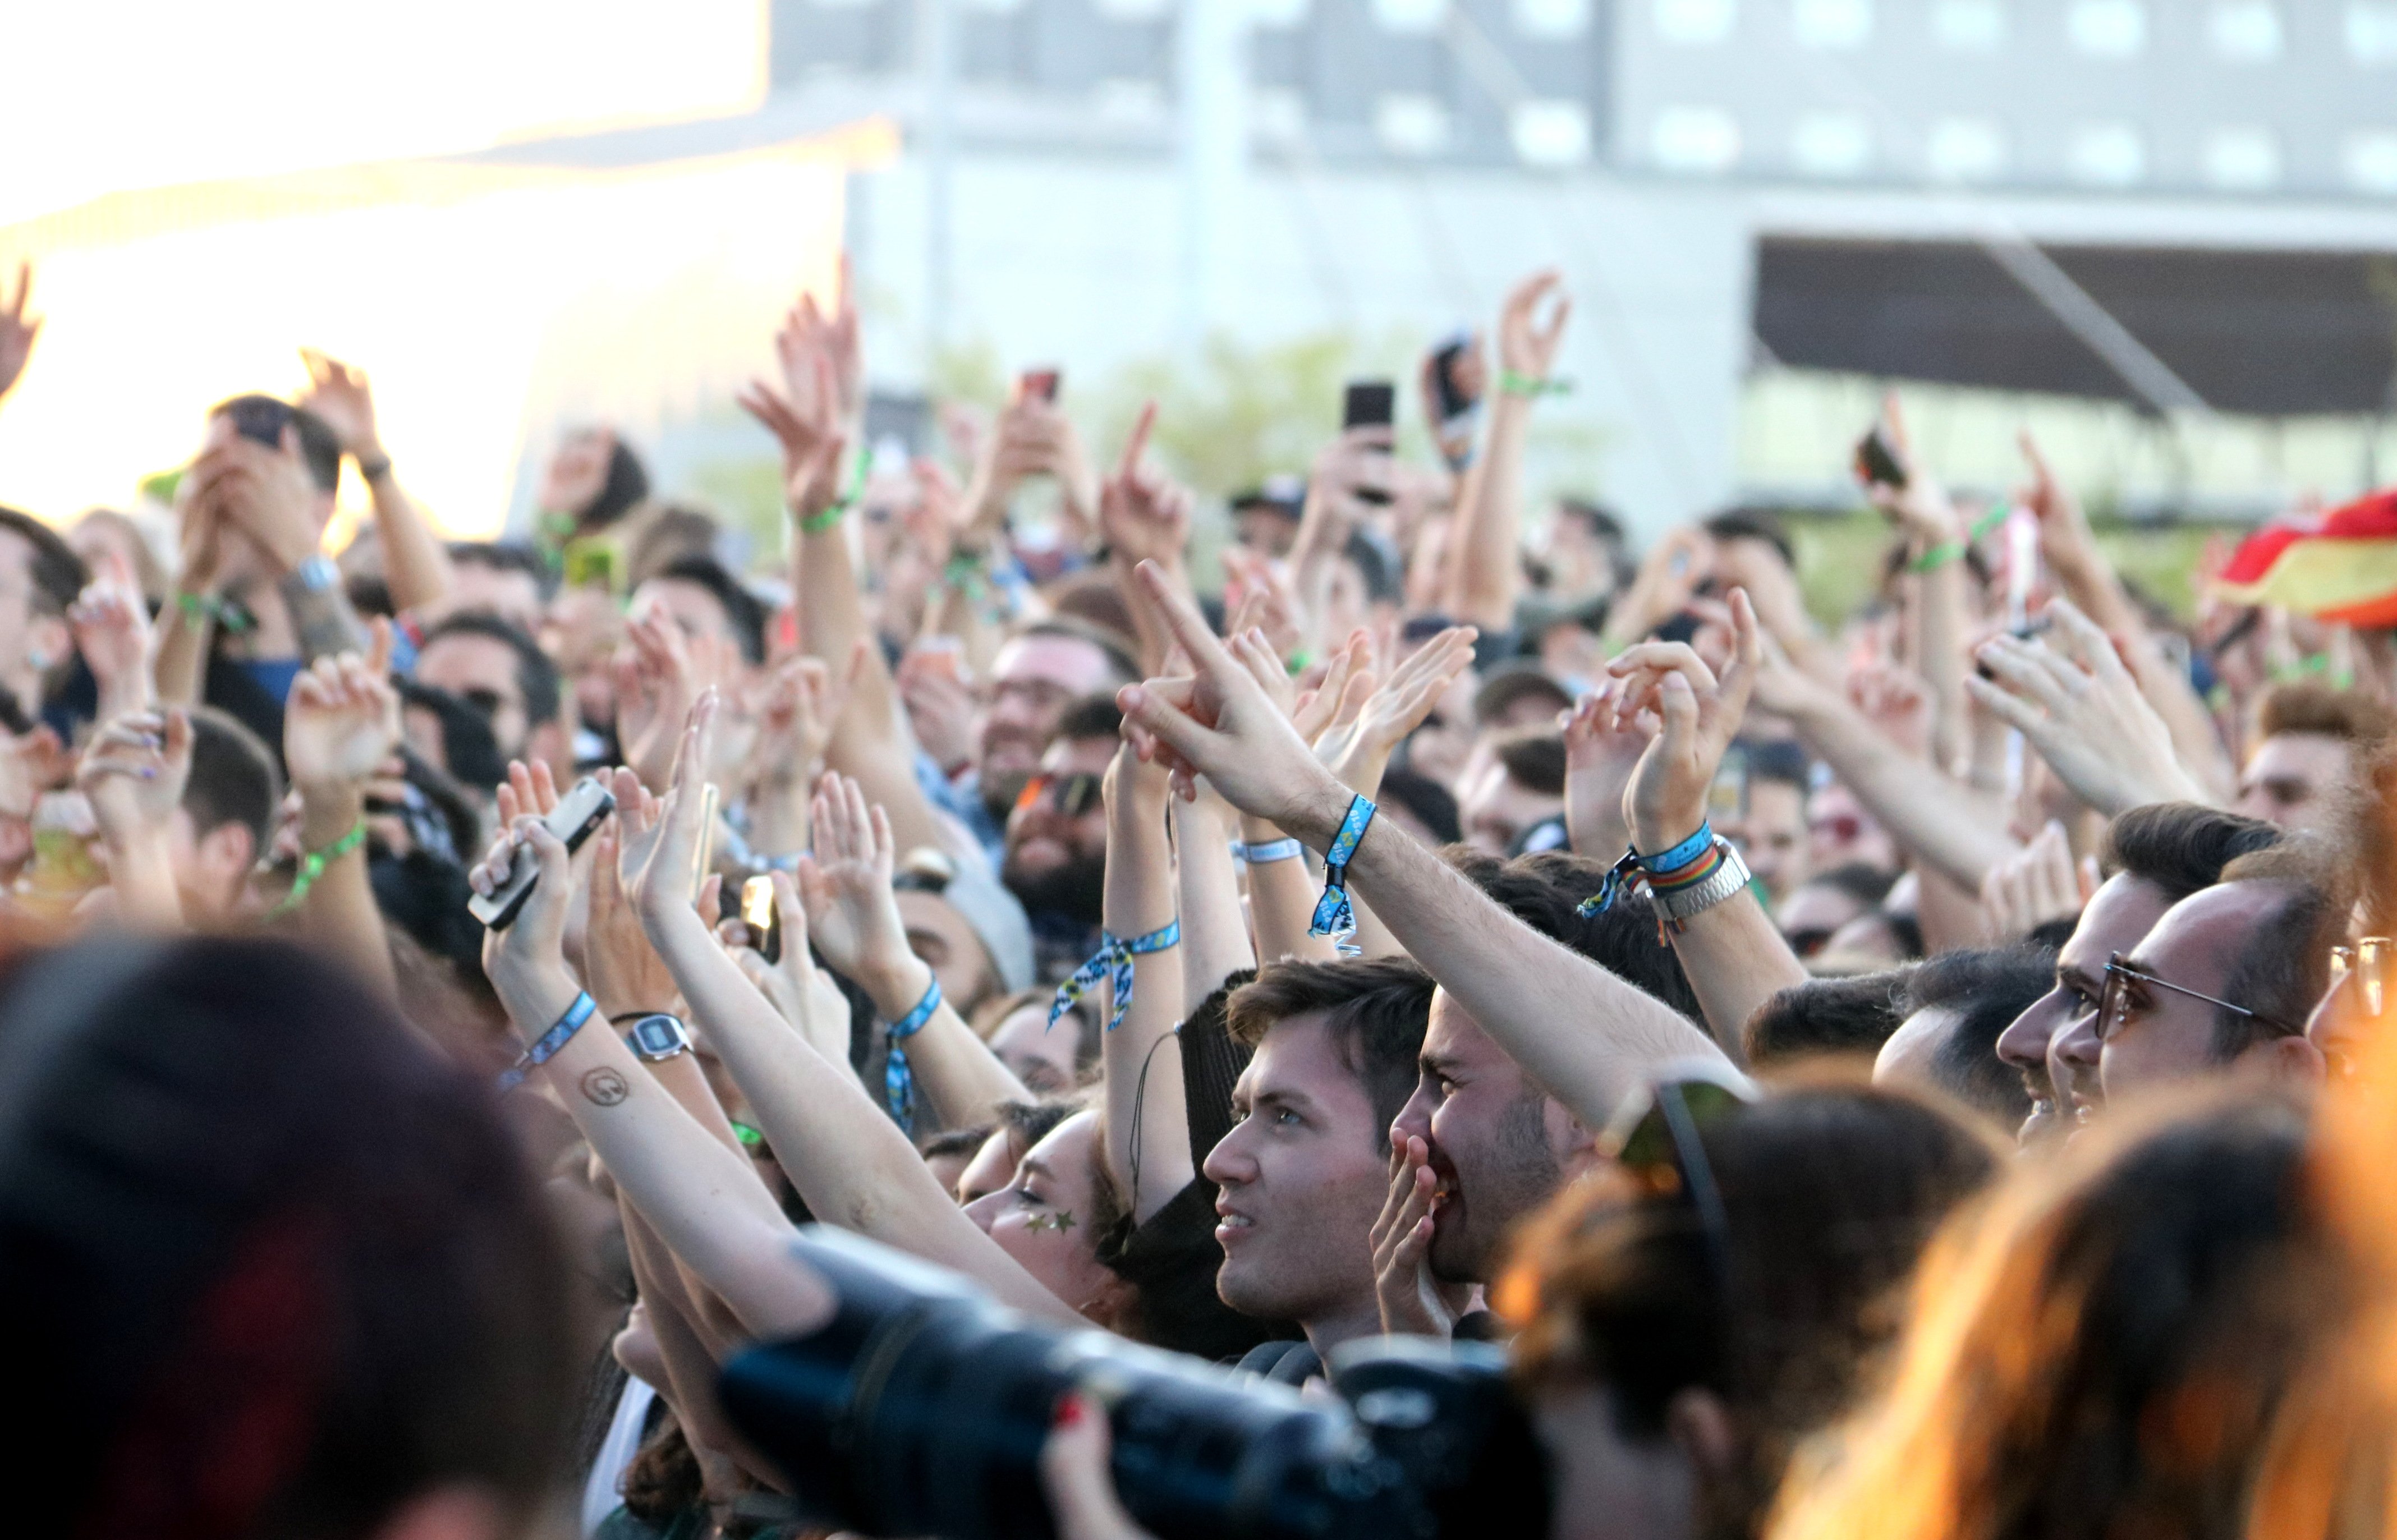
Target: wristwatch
1727, 879
657, 1038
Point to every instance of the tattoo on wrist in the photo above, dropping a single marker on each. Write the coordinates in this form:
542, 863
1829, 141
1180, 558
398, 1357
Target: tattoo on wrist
603, 1087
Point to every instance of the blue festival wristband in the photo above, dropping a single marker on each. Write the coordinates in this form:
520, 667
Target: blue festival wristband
1113, 963
1666, 862
545, 1048
1332, 915
898, 1075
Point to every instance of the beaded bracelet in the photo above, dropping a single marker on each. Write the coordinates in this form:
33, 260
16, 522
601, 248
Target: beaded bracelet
1332, 914
898, 1078
1113, 963
312, 866
545, 1046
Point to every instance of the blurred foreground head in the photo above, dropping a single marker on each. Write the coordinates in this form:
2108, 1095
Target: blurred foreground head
272, 1267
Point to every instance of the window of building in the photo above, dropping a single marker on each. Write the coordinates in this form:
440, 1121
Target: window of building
1129, 100
2372, 30
2108, 29
1277, 115
1831, 145
1551, 132
1417, 16
2245, 31
1831, 24
1701, 139
1552, 18
2108, 155
2241, 159
1695, 21
2371, 160
1966, 149
1409, 123
1969, 26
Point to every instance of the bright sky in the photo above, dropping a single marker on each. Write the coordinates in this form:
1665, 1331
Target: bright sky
488, 304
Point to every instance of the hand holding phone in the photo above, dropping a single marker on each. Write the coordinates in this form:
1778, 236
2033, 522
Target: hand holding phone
1370, 404
577, 815
764, 919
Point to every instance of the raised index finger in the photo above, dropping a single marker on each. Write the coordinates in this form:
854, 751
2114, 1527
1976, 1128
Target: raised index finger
1137, 445
1182, 619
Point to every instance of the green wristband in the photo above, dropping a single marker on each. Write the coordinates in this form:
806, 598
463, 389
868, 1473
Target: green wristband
1512, 383
1937, 557
312, 866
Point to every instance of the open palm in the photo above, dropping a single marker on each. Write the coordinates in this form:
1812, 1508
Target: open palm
845, 883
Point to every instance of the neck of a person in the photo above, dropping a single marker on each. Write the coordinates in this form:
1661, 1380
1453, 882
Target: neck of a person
1352, 1319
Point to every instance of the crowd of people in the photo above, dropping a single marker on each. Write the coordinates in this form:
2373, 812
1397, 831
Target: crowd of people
1913, 1073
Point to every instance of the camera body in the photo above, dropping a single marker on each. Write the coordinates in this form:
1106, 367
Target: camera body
921, 1408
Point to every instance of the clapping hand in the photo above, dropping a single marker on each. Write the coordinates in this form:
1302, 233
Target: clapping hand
1697, 715
845, 884
341, 396
1602, 751
341, 721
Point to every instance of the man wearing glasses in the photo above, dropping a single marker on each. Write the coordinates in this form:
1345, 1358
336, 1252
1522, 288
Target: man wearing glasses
1056, 856
2224, 982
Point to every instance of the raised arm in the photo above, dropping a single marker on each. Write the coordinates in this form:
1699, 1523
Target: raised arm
17, 329
1586, 1035
112, 632
848, 1159
1148, 1133
1143, 516
813, 417
268, 496
855, 922
1215, 928
415, 562
1935, 541
133, 771
1734, 957
1485, 568
705, 1203
339, 724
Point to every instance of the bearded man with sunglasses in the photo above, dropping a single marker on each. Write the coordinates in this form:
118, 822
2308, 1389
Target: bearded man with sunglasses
1056, 855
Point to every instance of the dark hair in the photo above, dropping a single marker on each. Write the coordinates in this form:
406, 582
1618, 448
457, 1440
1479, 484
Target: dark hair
1546, 890
948, 1143
1377, 564
668, 534
1433, 804
1778, 759
627, 484
470, 753
1753, 524
1830, 1193
503, 555
1534, 758
1121, 660
1375, 1009
320, 447
2284, 966
537, 679
2181, 846
1987, 989
1601, 521
2307, 706
58, 573
234, 777
1854, 1015
277, 1267
741, 610
1090, 716
1861, 880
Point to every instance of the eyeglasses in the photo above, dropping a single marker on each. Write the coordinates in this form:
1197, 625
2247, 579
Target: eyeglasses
1071, 795
2367, 960
2115, 1004
1655, 1139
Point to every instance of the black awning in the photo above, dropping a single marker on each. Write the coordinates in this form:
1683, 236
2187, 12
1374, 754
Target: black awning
2272, 333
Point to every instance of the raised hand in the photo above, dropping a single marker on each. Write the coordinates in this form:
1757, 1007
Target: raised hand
1897, 701
660, 843
526, 962
1698, 716
1398, 706
2065, 541
1412, 1302
340, 395
1262, 596
1531, 324
111, 631
1668, 576
1143, 516
1922, 507
1335, 704
341, 720
267, 495
1352, 479
802, 994
2083, 712
17, 329
657, 680
795, 716
1602, 753
845, 883
133, 770
812, 335
809, 424
626, 972
2036, 885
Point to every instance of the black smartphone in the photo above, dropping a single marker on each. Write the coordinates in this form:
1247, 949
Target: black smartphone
260, 419
1041, 384
1877, 459
1448, 397
1370, 404
764, 919
577, 814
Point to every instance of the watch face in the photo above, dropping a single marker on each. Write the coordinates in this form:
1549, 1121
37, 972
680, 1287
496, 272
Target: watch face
659, 1038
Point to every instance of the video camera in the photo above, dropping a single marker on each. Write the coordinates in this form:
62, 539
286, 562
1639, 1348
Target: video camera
921, 1407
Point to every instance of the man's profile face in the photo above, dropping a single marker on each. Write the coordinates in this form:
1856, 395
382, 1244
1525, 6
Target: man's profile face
1304, 1174
1032, 682
1773, 838
2290, 776
2053, 1043
480, 671
2167, 1036
1499, 1144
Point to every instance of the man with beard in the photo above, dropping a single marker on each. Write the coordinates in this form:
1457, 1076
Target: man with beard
1044, 669
1057, 854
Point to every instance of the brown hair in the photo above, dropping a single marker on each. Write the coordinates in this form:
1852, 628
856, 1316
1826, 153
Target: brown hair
1830, 1193
2305, 705
1375, 1008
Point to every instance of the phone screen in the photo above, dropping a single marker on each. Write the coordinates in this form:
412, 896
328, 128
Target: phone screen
1369, 404
260, 419
764, 921
1041, 384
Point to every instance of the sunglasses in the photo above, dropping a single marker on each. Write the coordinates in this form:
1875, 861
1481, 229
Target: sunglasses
2115, 1002
1655, 1141
2368, 961
1071, 795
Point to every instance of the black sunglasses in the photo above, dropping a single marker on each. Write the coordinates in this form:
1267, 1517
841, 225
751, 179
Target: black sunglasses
1654, 1140
2114, 1000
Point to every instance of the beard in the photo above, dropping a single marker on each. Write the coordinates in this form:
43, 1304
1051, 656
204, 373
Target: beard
1076, 888
1521, 1172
